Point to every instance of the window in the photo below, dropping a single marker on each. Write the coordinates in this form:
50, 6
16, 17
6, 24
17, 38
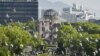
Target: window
29, 0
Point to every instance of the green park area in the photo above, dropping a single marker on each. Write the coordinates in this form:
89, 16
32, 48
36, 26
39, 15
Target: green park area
79, 38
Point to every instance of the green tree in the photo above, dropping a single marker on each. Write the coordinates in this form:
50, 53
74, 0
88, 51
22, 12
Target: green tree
80, 36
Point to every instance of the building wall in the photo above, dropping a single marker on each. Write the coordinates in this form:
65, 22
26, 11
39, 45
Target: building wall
18, 11
76, 15
69, 17
18, 0
48, 29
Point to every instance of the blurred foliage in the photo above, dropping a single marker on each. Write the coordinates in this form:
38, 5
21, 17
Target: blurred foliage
80, 36
45, 54
4, 51
15, 37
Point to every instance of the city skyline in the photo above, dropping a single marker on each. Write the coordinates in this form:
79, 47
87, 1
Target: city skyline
92, 5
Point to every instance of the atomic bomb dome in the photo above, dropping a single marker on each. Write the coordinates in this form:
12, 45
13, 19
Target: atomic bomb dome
50, 13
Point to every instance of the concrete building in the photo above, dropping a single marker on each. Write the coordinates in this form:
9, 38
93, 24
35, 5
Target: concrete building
48, 25
18, 10
76, 15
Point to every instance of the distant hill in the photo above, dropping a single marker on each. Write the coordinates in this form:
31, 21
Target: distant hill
45, 4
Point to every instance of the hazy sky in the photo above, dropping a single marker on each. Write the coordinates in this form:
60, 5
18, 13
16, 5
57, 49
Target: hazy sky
93, 5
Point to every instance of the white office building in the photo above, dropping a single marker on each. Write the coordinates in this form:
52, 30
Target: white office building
76, 15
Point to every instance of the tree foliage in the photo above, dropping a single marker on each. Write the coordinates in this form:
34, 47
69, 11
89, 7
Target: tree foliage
15, 38
81, 36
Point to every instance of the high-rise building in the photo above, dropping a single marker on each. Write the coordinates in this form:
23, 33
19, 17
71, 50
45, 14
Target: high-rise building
18, 10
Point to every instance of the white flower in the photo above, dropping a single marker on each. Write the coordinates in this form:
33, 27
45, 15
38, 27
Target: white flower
35, 35
87, 39
6, 43
12, 45
96, 40
21, 45
81, 44
80, 28
96, 51
81, 34
99, 49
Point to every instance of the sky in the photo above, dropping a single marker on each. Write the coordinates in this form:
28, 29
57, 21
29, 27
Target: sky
92, 5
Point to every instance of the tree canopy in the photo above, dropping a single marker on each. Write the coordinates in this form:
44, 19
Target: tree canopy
15, 38
80, 35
